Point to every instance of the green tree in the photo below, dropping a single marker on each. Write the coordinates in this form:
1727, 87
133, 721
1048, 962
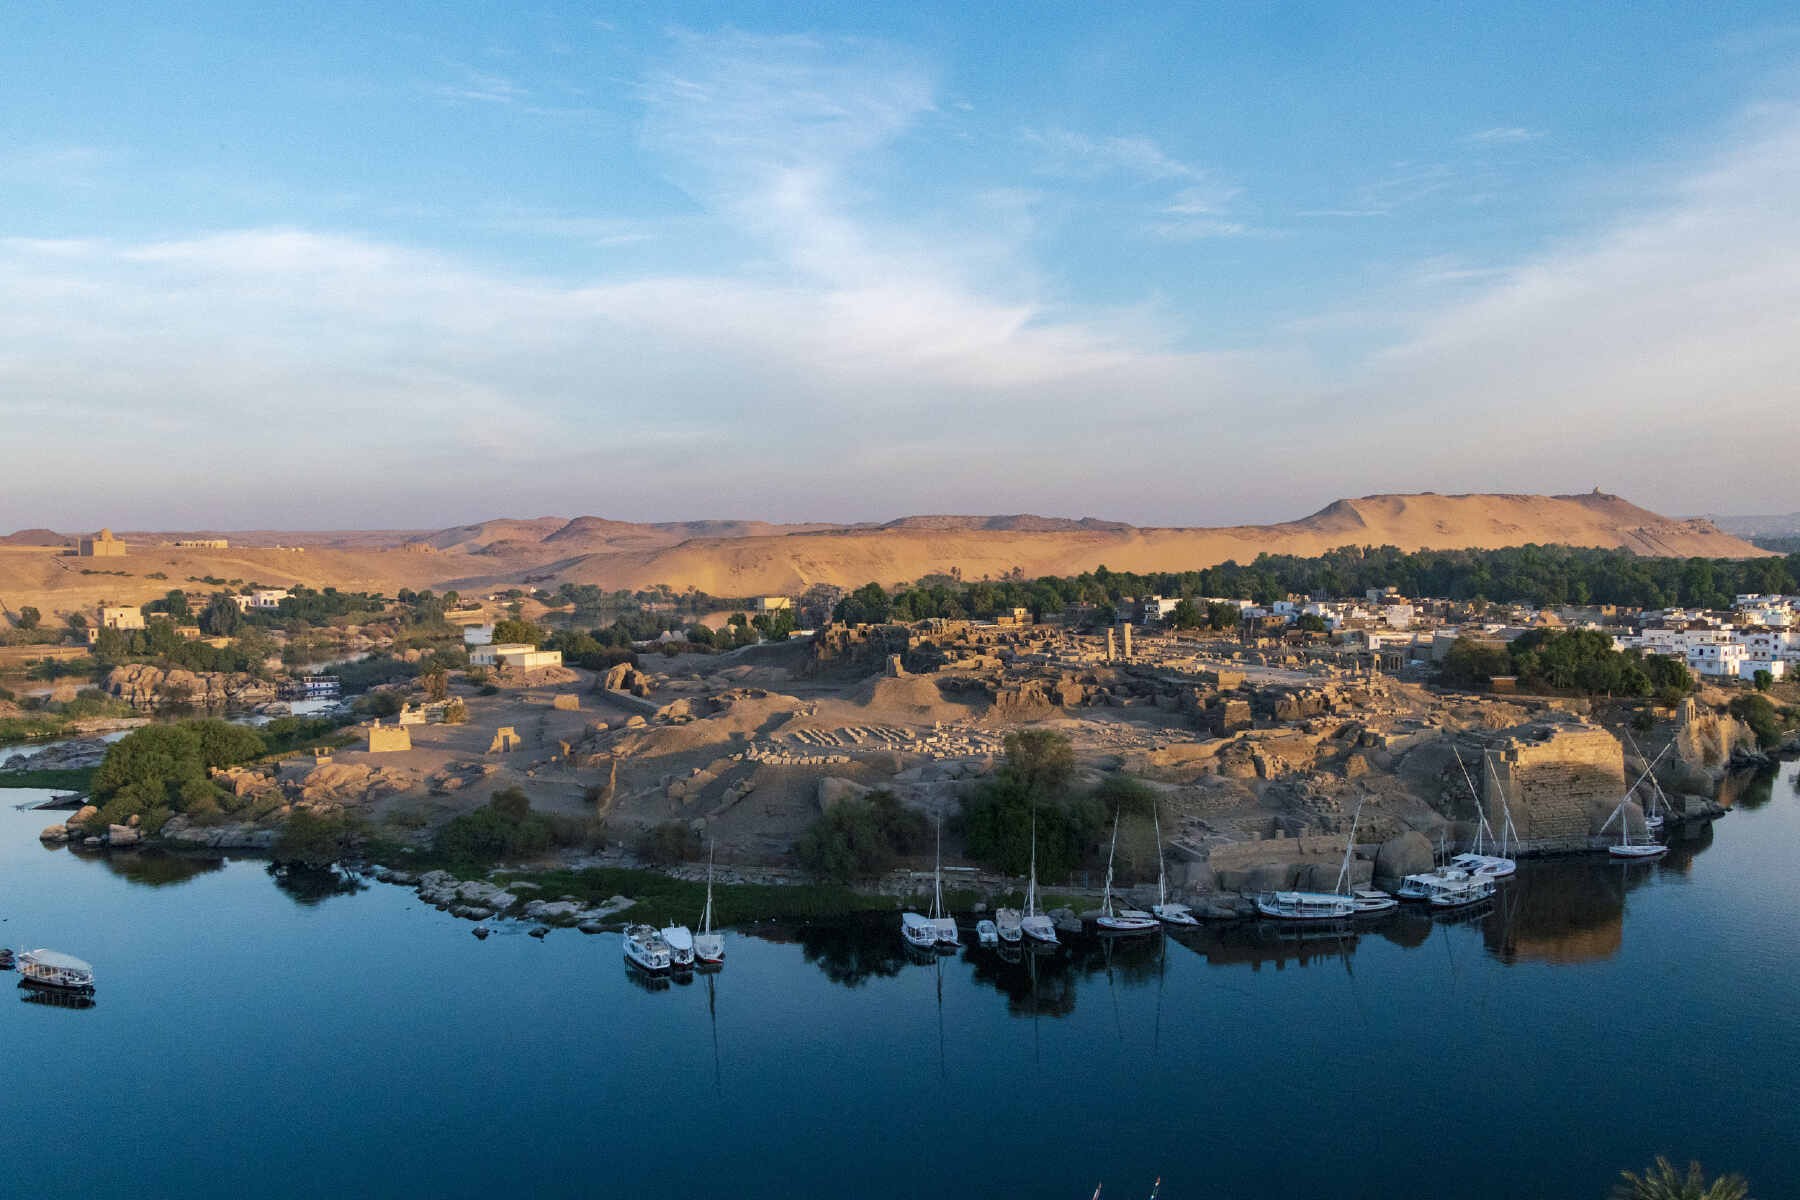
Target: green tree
77, 623
861, 837
1763, 680
437, 684
1186, 615
1311, 623
1759, 714
221, 617
867, 605
1661, 1181
28, 618
516, 632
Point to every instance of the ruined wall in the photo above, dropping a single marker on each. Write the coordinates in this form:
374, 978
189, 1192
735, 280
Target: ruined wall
1560, 782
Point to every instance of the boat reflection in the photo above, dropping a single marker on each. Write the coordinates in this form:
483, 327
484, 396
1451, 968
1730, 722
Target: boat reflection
51, 997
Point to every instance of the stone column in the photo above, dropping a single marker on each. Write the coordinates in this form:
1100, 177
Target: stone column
1111, 650
1128, 641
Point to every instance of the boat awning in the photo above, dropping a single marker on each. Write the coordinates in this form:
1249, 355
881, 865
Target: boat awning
53, 958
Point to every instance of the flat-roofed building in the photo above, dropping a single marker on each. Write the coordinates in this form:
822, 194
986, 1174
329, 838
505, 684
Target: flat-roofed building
101, 545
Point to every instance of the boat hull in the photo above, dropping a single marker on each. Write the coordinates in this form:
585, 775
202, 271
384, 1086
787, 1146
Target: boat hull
1039, 929
1637, 853
1305, 906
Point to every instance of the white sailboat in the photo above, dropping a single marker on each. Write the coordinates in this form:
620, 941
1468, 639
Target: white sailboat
942, 923
1006, 925
1034, 924
1478, 861
987, 933
1124, 920
1626, 848
709, 944
1167, 912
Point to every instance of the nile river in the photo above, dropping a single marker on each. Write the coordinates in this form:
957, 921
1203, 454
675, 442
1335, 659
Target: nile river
253, 1039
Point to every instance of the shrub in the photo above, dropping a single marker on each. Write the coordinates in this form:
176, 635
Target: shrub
861, 838
666, 844
312, 840
504, 828
1759, 714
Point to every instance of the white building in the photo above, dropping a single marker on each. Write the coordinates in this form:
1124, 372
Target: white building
489, 655
518, 656
121, 616
1156, 608
478, 635
1717, 660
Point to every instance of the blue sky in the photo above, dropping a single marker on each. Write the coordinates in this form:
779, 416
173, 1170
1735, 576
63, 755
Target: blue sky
408, 265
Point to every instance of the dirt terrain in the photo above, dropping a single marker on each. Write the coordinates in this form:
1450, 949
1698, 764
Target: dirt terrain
742, 558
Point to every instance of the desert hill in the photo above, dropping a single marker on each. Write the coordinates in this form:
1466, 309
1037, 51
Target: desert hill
745, 558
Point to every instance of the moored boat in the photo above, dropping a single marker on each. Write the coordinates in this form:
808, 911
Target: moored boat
709, 944
1124, 920
1461, 893
1167, 911
646, 949
6, 958
918, 930
1006, 924
987, 933
53, 969
942, 923
680, 941
1625, 848
1305, 906
1033, 924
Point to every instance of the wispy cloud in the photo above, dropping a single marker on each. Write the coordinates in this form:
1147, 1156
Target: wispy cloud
480, 87
1075, 154
1504, 135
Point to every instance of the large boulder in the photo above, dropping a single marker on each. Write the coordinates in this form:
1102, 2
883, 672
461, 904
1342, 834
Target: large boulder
122, 835
1408, 854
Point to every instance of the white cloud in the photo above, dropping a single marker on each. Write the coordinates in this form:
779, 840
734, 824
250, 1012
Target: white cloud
1505, 135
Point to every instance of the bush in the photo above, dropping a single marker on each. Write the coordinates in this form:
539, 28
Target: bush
861, 838
311, 840
508, 828
163, 769
1759, 714
666, 844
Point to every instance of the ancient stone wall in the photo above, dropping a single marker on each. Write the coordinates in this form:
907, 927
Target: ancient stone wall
1561, 783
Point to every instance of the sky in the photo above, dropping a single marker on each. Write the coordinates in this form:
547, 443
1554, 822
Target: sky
409, 265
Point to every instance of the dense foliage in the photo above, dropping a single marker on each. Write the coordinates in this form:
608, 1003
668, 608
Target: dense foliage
1536, 575
861, 837
1581, 660
1760, 714
506, 827
1034, 785
163, 769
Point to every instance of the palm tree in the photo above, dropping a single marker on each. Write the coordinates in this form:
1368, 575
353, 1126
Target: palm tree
1661, 1182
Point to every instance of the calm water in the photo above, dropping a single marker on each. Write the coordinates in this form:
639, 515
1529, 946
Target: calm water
253, 1040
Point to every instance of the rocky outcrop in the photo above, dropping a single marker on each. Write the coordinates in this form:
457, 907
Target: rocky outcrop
1398, 857
180, 831
148, 687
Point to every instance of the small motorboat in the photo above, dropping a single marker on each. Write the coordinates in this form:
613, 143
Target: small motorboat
680, 941
6, 958
919, 931
645, 948
1426, 884
53, 969
1006, 924
987, 933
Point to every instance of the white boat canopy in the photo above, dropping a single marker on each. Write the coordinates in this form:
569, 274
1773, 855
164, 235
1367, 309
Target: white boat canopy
58, 960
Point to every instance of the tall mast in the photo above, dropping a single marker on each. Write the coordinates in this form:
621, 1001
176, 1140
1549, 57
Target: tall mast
1031, 887
937, 874
1106, 900
1162, 872
1348, 843
706, 917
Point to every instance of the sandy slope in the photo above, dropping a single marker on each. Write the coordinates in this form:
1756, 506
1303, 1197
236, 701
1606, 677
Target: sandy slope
742, 558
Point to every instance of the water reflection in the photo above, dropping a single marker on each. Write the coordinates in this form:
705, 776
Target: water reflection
148, 868
1750, 790
850, 952
54, 997
307, 886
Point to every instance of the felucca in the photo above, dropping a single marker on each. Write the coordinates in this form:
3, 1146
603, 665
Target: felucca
1124, 920
709, 944
1626, 848
1034, 924
1167, 912
1334, 905
941, 921
1478, 861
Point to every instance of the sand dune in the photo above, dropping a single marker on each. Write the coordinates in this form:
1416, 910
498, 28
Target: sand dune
745, 558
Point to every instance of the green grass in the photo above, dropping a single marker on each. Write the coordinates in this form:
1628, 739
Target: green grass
33, 729
80, 779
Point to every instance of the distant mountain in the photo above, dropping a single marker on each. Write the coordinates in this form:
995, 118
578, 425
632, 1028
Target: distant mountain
1785, 525
35, 537
1021, 523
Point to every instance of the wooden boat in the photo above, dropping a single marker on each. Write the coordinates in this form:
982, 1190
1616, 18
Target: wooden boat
645, 948
1478, 861
918, 931
53, 969
709, 944
1335, 905
1124, 920
987, 933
